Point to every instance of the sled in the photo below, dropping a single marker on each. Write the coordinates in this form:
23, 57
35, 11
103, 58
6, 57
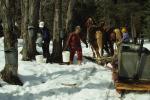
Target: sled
137, 87
129, 85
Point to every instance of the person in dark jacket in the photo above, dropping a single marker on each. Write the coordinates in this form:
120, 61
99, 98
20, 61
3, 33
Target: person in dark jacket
74, 44
46, 39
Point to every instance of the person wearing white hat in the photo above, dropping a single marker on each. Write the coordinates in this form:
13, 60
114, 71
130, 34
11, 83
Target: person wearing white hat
46, 39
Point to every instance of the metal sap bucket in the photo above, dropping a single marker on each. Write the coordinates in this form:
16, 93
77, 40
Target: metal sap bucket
66, 56
12, 56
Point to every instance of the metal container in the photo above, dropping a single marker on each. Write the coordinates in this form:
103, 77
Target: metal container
129, 66
11, 57
145, 68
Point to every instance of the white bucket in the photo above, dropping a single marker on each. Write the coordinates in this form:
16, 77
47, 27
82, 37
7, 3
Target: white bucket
39, 59
66, 56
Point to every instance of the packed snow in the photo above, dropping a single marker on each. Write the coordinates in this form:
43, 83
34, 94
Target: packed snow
42, 81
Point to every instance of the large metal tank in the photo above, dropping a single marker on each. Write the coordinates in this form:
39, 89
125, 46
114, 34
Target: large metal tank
132, 65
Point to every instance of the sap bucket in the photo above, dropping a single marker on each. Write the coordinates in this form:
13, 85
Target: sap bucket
66, 56
39, 59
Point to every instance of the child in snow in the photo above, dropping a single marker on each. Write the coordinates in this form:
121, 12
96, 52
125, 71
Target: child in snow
74, 45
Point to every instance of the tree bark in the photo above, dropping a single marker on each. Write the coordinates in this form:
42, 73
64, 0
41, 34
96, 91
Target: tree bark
70, 15
133, 30
57, 27
30, 12
42, 7
9, 73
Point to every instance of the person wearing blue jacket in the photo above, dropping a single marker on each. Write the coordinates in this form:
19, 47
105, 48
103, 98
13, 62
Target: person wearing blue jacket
46, 39
125, 36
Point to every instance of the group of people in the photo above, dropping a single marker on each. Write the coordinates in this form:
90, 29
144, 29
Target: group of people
73, 42
74, 39
109, 37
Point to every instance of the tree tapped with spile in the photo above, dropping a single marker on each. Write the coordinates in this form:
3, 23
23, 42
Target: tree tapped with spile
10, 71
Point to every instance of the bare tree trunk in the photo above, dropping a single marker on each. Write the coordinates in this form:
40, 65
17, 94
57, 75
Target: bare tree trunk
69, 14
9, 73
133, 30
42, 7
30, 10
1, 27
57, 27
23, 17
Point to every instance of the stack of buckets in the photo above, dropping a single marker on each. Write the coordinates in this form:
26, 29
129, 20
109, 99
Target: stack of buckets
66, 56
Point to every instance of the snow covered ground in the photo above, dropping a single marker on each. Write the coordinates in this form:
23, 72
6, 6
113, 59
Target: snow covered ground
50, 81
